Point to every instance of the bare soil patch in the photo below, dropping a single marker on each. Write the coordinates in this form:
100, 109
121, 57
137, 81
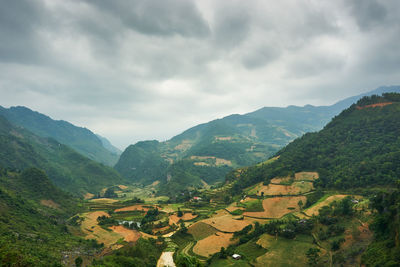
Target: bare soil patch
310, 176
132, 208
314, 210
296, 188
277, 207
104, 200
278, 180
49, 203
174, 219
166, 259
123, 187
375, 105
212, 244
226, 223
128, 234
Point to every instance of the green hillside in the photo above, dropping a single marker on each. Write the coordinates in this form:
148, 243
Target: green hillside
33, 216
20, 149
80, 139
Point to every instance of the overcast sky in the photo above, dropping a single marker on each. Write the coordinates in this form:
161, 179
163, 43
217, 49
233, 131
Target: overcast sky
135, 70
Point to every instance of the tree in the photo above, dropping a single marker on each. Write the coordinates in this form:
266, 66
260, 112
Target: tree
78, 261
180, 213
300, 203
313, 256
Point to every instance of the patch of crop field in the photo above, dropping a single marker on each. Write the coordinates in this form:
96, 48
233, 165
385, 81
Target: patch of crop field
227, 223
201, 230
250, 250
283, 252
171, 207
253, 190
174, 219
212, 244
128, 234
255, 205
122, 187
136, 215
296, 188
281, 180
277, 207
306, 176
314, 210
103, 200
92, 230
134, 207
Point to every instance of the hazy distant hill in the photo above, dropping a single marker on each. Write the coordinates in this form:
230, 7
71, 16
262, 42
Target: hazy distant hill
358, 148
69, 170
78, 138
211, 149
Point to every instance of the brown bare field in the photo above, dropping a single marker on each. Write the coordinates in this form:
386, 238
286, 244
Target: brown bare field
88, 196
218, 161
314, 209
375, 105
92, 230
122, 187
147, 236
296, 188
174, 219
128, 234
201, 230
220, 138
277, 207
212, 244
49, 203
104, 200
310, 176
201, 163
226, 223
278, 180
132, 208
185, 145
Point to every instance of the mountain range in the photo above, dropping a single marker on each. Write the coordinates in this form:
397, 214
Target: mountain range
204, 154
81, 139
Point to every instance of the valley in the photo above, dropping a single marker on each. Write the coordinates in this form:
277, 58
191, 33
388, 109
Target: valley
328, 198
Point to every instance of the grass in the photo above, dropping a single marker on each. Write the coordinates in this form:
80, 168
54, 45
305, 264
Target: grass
253, 205
229, 262
284, 252
201, 230
250, 250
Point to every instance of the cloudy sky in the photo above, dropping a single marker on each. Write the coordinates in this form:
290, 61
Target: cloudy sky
134, 70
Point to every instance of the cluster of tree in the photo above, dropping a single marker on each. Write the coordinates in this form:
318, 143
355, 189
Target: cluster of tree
106, 221
144, 253
385, 249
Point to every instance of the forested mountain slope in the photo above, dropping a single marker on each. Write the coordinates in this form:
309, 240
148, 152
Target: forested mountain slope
69, 170
80, 139
33, 215
358, 148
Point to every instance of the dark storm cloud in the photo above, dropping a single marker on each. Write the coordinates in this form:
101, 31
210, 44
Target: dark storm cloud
368, 13
167, 17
